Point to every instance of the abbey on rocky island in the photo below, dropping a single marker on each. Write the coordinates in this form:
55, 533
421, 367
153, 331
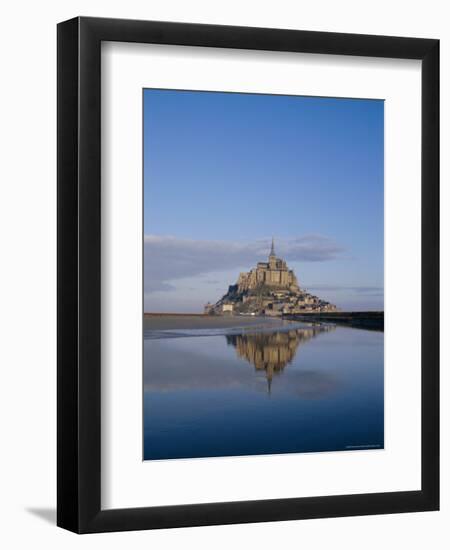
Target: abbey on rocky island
271, 288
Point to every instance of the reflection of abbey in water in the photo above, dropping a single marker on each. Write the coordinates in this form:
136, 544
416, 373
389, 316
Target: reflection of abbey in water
272, 351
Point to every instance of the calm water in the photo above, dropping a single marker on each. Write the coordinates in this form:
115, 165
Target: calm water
239, 392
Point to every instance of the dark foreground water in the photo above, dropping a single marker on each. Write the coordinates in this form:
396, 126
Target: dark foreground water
236, 392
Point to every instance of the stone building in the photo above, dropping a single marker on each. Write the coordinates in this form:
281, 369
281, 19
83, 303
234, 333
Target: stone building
271, 289
274, 273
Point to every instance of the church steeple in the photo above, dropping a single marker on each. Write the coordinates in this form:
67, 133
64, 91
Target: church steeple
272, 249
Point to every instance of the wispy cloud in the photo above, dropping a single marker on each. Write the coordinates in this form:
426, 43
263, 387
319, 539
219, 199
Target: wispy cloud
167, 259
360, 290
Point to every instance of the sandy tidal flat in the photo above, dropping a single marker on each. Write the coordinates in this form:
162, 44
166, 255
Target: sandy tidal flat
168, 322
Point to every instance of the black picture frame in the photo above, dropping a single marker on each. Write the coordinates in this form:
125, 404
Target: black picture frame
79, 280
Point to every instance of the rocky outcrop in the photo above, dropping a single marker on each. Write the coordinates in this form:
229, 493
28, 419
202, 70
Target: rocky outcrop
271, 288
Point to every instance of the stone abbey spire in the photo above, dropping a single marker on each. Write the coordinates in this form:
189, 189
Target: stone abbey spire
272, 249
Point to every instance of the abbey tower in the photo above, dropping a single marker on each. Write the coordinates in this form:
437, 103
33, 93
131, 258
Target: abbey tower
273, 273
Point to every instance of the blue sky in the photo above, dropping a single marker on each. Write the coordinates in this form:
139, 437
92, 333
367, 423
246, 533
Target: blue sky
224, 172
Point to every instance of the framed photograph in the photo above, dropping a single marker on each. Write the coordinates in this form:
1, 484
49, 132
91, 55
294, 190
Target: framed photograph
248, 275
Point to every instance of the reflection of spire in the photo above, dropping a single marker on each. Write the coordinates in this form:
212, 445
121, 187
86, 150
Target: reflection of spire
272, 249
272, 351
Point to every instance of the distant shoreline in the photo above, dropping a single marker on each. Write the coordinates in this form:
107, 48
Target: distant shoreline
158, 314
371, 320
